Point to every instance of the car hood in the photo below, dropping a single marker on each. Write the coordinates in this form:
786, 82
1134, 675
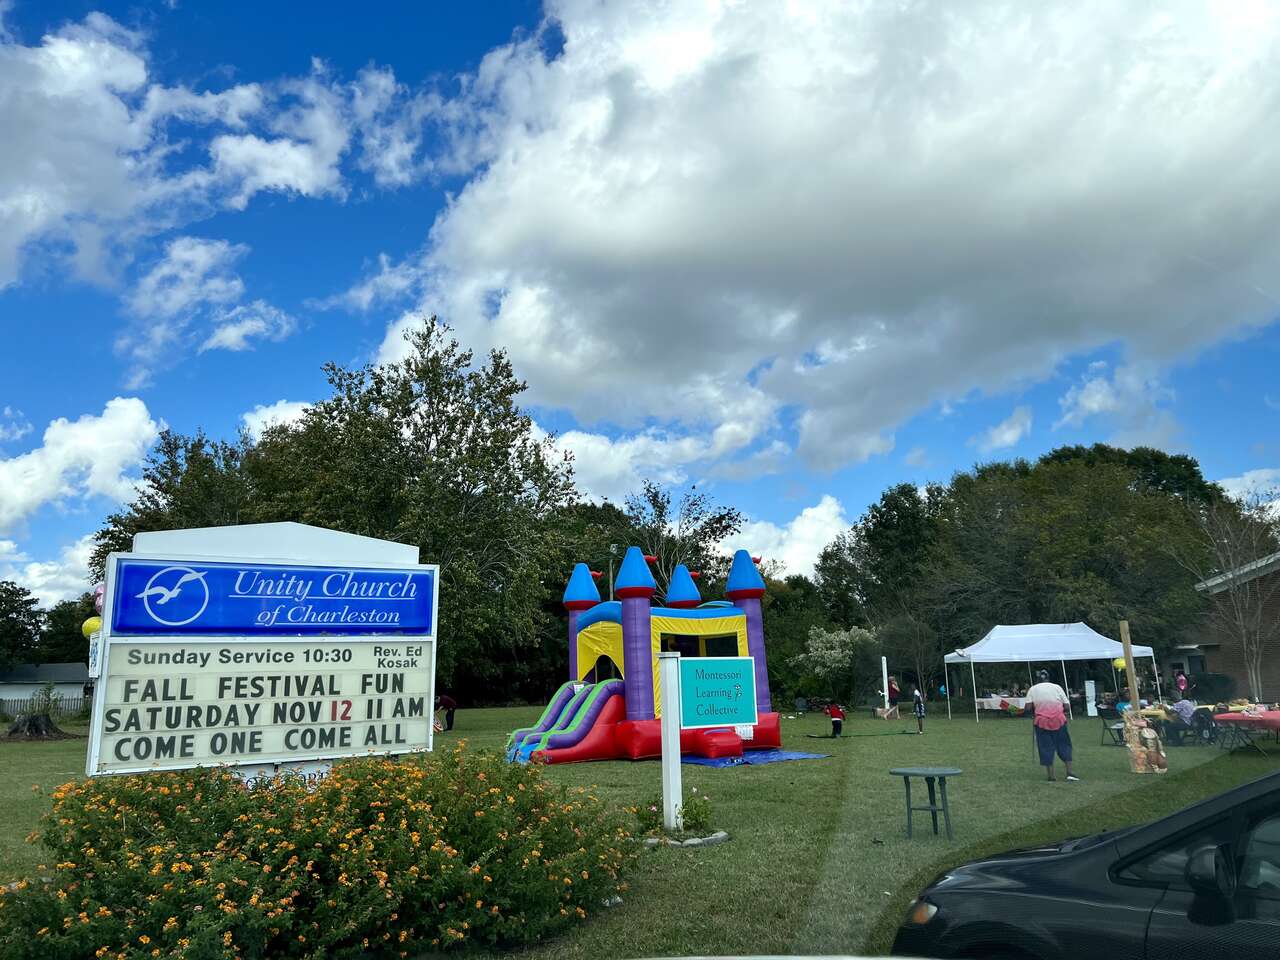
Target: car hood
1006, 869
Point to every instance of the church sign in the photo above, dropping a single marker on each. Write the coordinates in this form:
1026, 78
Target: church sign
223, 661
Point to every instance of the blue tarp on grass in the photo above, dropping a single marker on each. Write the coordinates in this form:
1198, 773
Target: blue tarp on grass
753, 758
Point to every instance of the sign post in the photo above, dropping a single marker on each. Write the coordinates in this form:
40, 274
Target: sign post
700, 693
672, 782
209, 658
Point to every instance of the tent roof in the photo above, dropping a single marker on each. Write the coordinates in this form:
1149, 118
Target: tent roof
1043, 641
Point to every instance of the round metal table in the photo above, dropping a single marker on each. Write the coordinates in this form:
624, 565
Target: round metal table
930, 775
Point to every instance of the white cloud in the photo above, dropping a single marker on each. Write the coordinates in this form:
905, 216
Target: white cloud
13, 425
236, 327
1007, 432
86, 166
916, 457
1132, 400
269, 414
797, 544
391, 282
634, 233
1261, 483
194, 272
305, 160
91, 456
193, 288
50, 580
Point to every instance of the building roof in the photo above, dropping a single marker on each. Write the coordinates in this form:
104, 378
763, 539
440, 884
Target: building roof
1241, 574
46, 673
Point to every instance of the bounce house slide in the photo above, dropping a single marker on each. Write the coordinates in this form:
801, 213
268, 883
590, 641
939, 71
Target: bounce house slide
576, 720
549, 716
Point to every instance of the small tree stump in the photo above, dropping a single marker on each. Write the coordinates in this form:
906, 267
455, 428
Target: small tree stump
36, 726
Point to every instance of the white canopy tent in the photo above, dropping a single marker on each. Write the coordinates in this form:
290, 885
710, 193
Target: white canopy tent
1037, 642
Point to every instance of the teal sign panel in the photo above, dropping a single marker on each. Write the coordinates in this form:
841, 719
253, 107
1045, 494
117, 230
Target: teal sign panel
717, 692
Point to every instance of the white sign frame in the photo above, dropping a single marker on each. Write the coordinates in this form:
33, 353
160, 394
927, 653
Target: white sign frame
256, 763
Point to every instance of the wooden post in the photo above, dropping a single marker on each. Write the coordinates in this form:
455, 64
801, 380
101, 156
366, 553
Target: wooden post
1128, 665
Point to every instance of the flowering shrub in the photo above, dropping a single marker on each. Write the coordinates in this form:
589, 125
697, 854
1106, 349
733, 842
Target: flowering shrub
380, 858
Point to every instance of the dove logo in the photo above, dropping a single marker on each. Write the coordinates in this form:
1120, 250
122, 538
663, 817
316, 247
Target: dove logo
175, 596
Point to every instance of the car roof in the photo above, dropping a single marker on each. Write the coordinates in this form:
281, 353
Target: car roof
1199, 812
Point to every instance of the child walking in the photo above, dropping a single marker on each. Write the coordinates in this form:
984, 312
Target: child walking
837, 719
918, 708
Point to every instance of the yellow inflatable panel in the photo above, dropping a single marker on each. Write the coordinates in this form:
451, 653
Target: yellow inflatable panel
604, 639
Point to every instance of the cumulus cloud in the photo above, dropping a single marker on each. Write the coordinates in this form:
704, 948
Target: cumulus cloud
1131, 399
1264, 482
688, 203
51, 581
269, 414
1007, 432
13, 425
90, 456
796, 544
236, 328
194, 287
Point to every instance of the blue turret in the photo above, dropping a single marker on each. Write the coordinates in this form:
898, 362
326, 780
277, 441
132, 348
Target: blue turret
579, 594
682, 592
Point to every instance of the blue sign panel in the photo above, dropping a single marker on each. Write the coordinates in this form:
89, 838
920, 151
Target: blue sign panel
172, 596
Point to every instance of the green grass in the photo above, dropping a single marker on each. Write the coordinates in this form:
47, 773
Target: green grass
818, 861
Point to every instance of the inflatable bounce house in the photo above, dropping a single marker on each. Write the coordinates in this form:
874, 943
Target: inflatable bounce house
609, 708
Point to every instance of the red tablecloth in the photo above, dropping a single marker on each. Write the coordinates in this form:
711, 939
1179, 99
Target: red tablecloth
1267, 720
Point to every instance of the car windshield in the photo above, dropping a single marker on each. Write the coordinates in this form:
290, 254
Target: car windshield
632, 478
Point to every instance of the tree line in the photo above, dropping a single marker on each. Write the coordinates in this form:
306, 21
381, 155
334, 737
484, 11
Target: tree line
435, 450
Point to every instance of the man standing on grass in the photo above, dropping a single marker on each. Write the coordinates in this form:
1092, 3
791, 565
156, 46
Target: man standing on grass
1050, 703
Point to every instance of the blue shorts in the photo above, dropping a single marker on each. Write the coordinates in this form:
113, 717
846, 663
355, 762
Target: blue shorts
1050, 742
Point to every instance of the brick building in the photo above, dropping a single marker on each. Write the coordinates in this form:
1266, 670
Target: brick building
1224, 653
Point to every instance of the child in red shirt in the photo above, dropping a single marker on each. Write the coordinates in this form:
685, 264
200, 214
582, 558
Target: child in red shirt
837, 718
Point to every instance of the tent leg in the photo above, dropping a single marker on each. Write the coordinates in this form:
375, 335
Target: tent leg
1115, 681
946, 678
1156, 670
1066, 689
1030, 682
973, 680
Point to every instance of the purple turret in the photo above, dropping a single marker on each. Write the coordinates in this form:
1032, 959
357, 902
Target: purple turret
634, 586
580, 594
745, 588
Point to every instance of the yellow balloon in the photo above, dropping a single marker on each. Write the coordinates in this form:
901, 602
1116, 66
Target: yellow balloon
91, 626
1118, 663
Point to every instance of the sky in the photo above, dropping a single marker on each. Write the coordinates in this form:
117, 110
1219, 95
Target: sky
790, 252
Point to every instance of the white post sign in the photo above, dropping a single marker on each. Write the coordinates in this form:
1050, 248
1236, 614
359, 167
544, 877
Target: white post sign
672, 782
209, 660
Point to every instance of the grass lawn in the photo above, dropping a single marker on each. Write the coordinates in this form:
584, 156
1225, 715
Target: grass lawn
818, 862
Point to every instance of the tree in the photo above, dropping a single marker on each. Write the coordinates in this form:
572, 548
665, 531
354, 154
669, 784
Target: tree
186, 482
432, 450
908, 639
1153, 470
688, 532
20, 623
1235, 535
61, 639
843, 659
792, 607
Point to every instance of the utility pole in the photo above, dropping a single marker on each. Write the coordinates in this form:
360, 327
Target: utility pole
613, 553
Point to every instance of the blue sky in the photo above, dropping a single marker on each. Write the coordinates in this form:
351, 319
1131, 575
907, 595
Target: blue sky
794, 255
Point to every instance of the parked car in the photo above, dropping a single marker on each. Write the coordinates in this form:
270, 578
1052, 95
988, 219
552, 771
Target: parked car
1202, 883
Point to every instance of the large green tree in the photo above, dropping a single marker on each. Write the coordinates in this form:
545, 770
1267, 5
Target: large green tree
687, 530
62, 639
1092, 534
432, 450
20, 623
